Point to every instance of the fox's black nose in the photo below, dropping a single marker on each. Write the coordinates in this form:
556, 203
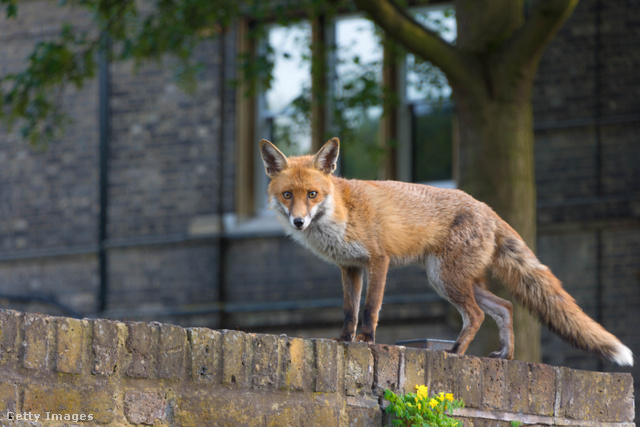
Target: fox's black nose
298, 222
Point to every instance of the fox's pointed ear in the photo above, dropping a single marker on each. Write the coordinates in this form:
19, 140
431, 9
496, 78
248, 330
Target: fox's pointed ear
273, 159
326, 159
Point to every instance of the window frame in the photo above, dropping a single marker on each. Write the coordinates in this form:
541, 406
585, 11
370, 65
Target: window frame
395, 132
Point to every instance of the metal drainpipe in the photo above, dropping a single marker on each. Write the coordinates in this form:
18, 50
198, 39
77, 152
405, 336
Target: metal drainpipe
598, 166
103, 178
222, 246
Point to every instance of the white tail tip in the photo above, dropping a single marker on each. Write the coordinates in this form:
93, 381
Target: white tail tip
623, 356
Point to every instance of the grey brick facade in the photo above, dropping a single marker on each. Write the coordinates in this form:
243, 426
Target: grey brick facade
586, 102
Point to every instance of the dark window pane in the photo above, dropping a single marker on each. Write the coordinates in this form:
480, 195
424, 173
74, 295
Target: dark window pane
432, 136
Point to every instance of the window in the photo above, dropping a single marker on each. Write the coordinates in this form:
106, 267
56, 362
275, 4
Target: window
280, 118
409, 139
429, 110
358, 73
282, 121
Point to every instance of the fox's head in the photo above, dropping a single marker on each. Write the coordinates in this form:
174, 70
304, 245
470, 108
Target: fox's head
300, 187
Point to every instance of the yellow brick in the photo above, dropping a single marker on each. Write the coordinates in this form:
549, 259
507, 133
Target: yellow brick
294, 372
70, 345
7, 398
99, 403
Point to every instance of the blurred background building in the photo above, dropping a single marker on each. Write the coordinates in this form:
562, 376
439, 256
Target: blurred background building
152, 205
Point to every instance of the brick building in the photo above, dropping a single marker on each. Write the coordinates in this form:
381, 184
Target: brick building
146, 209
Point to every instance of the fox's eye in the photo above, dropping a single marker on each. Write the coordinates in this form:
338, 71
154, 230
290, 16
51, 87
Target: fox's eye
313, 194
286, 194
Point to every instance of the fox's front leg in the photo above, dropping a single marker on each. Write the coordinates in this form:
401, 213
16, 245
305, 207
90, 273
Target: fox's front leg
352, 288
377, 278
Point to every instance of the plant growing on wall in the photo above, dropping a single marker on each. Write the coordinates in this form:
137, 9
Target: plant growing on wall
418, 409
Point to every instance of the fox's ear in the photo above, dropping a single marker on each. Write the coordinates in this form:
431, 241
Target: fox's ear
326, 159
273, 159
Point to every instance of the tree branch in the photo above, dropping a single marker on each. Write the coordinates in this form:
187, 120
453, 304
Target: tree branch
528, 44
420, 41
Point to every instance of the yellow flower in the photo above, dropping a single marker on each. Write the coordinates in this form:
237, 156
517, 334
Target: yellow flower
433, 403
441, 396
449, 397
423, 391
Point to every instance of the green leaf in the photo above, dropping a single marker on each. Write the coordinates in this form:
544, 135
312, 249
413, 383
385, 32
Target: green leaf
12, 10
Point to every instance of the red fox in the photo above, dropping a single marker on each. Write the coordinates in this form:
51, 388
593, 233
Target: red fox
374, 225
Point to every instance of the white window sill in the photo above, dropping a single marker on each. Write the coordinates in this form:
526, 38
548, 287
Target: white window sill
264, 224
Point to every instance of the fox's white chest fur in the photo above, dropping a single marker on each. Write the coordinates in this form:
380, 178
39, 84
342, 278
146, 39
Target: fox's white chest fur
325, 237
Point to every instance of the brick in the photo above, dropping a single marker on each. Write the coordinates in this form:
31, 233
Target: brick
483, 422
303, 416
388, 361
144, 407
171, 352
460, 375
266, 361
326, 365
141, 343
105, 346
494, 395
358, 369
10, 324
542, 389
37, 339
321, 416
70, 345
517, 386
8, 397
618, 391
414, 369
595, 396
98, 402
236, 358
297, 364
364, 417
202, 408
206, 354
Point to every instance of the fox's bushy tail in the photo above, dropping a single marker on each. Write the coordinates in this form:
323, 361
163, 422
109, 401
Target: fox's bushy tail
535, 286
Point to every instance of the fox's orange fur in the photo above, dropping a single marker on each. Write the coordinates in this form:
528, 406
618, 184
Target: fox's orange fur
372, 225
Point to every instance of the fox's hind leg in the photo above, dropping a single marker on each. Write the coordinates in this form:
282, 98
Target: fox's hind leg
502, 312
472, 318
459, 291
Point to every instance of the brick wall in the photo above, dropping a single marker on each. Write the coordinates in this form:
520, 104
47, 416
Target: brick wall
163, 148
105, 372
164, 181
48, 197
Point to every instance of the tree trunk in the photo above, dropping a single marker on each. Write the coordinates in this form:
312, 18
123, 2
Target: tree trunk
496, 166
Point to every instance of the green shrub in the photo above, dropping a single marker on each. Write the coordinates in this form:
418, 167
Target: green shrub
418, 409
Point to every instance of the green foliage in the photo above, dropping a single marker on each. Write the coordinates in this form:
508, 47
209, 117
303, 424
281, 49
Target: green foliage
418, 409
126, 30
11, 9
516, 423
32, 96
